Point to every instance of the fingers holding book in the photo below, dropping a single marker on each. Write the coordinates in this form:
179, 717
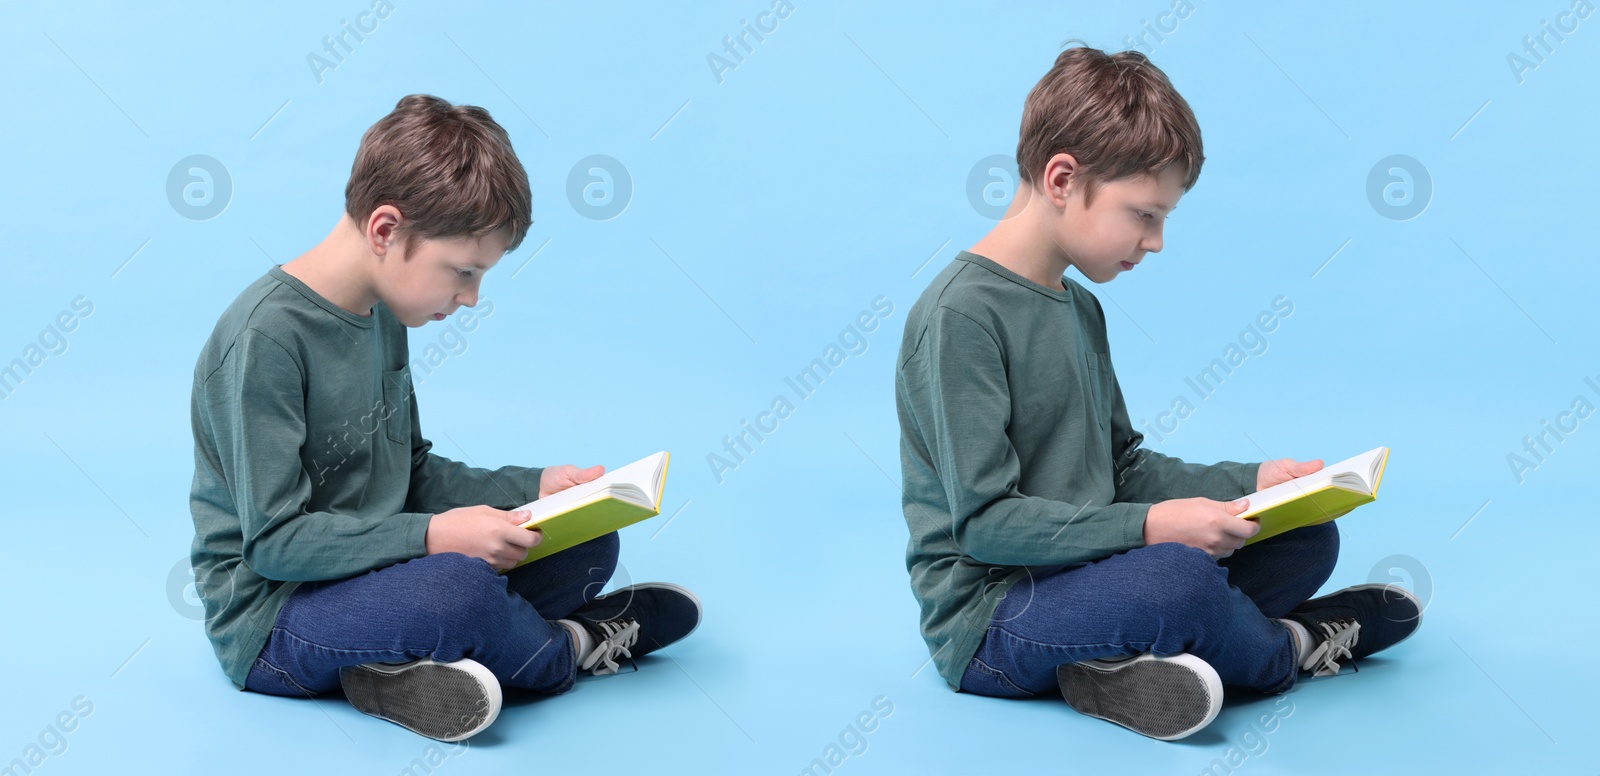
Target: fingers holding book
495, 535
558, 478
1281, 470
1212, 526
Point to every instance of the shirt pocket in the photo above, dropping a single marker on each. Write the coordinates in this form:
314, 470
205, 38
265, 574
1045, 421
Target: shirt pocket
1098, 368
397, 405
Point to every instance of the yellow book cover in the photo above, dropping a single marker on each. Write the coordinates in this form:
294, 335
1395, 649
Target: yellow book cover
1323, 495
611, 501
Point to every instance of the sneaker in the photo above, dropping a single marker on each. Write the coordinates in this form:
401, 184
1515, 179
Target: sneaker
443, 701
1165, 698
1356, 622
633, 622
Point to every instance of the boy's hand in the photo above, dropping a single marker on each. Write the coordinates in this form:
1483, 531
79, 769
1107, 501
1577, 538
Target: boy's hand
558, 478
482, 532
1213, 526
1282, 470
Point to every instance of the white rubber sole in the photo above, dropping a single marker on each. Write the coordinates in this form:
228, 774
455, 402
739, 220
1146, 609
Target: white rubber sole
1165, 698
443, 701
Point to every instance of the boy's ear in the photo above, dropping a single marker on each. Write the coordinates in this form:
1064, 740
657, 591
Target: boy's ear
382, 230
1060, 175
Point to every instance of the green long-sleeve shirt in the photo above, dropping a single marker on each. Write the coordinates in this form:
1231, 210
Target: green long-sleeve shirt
1015, 447
309, 458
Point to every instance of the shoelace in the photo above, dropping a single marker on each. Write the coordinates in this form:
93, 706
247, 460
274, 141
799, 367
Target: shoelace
1338, 638
617, 636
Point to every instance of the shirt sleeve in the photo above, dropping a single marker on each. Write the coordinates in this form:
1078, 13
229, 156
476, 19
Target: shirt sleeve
964, 416
439, 484
1146, 476
255, 408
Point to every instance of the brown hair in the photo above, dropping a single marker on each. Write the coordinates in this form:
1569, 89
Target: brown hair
450, 170
1117, 114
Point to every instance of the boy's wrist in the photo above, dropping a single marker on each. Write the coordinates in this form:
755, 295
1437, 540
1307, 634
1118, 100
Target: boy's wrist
1253, 479
435, 537
1150, 524
530, 484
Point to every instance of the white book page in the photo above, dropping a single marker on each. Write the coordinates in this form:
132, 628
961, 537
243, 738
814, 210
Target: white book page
1361, 467
637, 482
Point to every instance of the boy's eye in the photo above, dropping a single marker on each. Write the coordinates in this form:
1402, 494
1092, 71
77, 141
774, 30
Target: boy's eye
463, 273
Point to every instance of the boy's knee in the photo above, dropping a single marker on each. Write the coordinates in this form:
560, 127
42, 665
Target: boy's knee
1172, 557
599, 556
1181, 580
1327, 536
1322, 547
606, 550
449, 568
454, 590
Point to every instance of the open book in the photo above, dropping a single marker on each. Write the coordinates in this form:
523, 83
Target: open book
1318, 497
618, 498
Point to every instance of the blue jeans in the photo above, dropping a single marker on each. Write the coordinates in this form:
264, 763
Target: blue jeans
446, 607
1163, 598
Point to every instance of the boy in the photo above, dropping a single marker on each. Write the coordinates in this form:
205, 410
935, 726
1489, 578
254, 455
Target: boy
332, 548
1049, 551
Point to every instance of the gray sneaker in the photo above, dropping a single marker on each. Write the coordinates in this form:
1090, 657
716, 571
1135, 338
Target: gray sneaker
443, 701
1165, 698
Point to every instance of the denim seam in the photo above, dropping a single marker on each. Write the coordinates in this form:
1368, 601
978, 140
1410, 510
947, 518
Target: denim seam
279, 630
1049, 645
1000, 676
285, 676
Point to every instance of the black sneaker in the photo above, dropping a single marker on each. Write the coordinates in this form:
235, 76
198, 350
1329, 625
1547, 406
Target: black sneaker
443, 701
1165, 698
1356, 622
635, 621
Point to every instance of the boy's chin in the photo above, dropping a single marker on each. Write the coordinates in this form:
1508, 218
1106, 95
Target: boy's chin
1115, 271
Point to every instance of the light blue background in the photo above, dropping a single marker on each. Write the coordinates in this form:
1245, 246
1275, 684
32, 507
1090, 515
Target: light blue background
828, 169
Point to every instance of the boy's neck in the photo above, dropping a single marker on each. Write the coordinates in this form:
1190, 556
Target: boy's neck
1022, 242
339, 268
